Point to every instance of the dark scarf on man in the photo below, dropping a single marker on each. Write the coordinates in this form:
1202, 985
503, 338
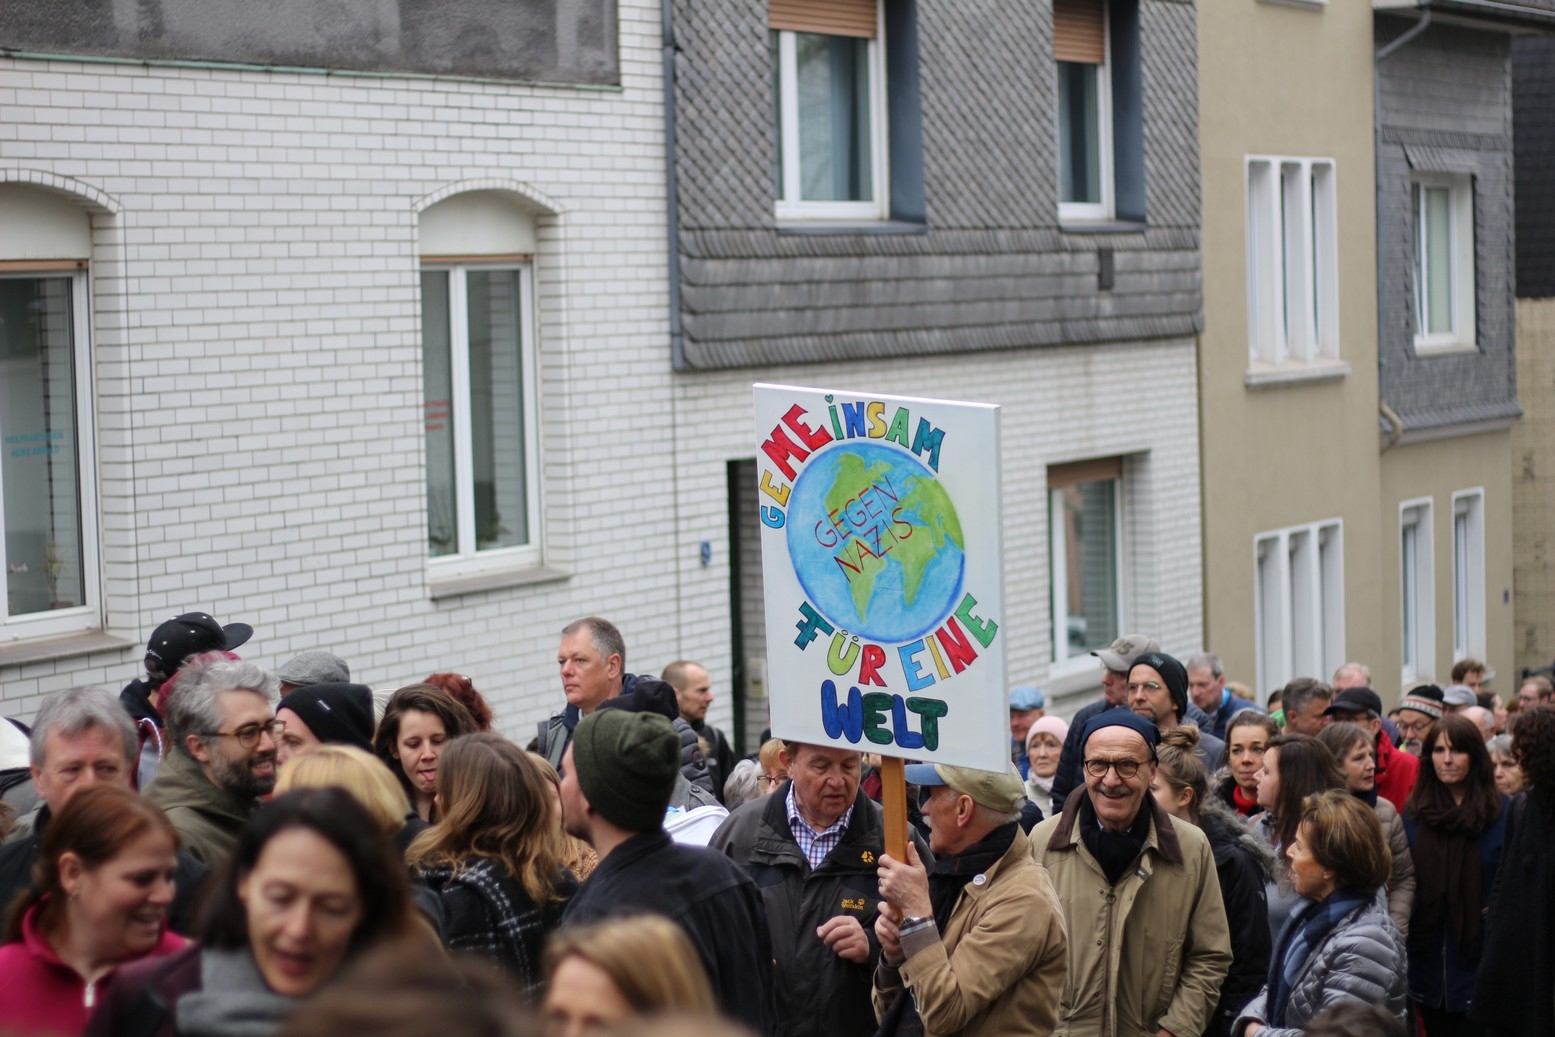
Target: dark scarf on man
1448, 892
1116, 852
1306, 929
950, 875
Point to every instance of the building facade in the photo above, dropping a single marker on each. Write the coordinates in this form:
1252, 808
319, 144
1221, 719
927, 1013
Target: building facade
417, 338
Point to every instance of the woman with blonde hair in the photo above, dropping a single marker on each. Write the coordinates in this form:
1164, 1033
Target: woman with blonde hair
493, 857
620, 970
363, 775
578, 856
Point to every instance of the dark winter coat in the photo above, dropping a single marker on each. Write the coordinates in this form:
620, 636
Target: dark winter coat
485, 911
1243, 864
1440, 974
1514, 993
555, 735
818, 993
709, 897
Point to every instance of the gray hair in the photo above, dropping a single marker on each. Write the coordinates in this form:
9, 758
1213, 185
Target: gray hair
1360, 670
1295, 695
607, 640
1207, 661
743, 785
80, 709
1500, 745
192, 708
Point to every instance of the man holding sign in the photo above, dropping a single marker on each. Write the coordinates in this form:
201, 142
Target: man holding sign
973, 944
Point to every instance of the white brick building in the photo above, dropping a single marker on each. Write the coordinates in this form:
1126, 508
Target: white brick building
246, 260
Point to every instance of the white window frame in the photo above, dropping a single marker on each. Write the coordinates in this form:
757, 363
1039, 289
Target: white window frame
790, 206
1460, 206
1417, 590
468, 560
1058, 575
1095, 212
1298, 602
88, 616
1292, 260
1468, 574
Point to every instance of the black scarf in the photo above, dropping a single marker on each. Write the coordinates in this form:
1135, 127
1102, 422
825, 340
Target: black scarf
950, 875
1116, 852
1447, 868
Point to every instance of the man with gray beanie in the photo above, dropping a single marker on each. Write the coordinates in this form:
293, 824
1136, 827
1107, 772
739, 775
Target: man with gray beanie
618, 773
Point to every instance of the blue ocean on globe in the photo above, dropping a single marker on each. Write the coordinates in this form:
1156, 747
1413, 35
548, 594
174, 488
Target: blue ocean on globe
875, 541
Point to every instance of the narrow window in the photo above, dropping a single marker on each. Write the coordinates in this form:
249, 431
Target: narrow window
1081, 52
1085, 552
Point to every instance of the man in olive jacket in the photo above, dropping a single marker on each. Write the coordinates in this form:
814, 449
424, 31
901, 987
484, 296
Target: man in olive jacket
1148, 941
812, 847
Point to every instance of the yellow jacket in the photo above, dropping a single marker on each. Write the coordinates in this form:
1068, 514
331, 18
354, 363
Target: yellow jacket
1150, 952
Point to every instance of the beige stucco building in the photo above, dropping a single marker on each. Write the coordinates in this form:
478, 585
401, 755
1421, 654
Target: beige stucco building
1353, 510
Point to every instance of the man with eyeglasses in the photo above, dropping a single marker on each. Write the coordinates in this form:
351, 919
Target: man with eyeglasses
1149, 944
1116, 660
221, 723
1158, 691
1417, 712
813, 847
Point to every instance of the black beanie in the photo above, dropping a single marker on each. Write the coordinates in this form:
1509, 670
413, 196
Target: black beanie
647, 695
626, 764
340, 714
1173, 674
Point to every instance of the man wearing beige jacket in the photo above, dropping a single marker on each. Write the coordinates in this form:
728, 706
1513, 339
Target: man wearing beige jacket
1148, 942
974, 946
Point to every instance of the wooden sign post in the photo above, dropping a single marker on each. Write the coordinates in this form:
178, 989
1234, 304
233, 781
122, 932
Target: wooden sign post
893, 797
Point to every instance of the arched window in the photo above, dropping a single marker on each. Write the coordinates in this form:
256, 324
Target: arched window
48, 554
478, 363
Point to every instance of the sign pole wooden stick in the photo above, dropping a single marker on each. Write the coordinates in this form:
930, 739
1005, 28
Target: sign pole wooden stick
893, 797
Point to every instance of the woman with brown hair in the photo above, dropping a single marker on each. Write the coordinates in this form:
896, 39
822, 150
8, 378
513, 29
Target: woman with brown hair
1339, 944
578, 856
1355, 751
104, 883
1244, 864
1247, 738
417, 724
493, 857
1456, 820
621, 970
1294, 767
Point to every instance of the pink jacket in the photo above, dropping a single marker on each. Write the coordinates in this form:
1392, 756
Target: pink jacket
40, 994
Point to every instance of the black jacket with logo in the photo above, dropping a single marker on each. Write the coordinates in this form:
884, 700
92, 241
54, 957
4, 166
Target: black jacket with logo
818, 993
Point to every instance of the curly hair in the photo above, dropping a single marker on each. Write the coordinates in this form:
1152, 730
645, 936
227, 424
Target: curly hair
463, 691
1533, 746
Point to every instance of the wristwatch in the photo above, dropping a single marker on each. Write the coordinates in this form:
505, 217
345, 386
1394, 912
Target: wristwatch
913, 923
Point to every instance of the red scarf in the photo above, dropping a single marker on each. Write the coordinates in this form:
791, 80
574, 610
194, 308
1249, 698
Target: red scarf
1246, 805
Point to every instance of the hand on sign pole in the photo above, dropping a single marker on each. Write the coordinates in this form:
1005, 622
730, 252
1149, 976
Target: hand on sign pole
846, 938
905, 884
888, 931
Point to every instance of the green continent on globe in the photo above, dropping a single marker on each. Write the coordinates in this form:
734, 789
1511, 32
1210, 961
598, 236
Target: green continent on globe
919, 503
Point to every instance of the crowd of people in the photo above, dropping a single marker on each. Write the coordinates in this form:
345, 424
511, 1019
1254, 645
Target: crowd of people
223, 850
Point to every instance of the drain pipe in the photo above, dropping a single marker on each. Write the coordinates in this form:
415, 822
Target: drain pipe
672, 190
1383, 53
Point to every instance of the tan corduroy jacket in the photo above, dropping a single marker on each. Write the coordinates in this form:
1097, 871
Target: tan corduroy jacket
1150, 952
998, 967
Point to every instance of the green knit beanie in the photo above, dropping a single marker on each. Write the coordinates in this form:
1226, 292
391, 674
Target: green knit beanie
626, 765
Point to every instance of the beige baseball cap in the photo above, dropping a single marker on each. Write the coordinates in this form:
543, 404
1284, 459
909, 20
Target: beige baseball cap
1120, 655
992, 789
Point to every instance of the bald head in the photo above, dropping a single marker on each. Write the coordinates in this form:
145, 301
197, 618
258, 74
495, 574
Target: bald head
1482, 718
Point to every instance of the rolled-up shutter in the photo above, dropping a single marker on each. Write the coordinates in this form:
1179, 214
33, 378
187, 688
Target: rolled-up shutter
1080, 31
828, 17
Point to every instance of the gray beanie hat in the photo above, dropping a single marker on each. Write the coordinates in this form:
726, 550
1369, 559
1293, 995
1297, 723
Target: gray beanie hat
626, 766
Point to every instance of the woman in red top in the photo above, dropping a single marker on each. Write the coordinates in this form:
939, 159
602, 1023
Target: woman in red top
106, 862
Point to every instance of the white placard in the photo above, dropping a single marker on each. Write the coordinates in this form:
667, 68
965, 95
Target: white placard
883, 571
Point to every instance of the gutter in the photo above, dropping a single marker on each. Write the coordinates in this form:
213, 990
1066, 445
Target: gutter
672, 191
1382, 55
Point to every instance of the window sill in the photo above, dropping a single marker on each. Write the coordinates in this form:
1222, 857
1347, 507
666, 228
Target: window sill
1269, 376
1313, 5
1453, 348
819, 227
1103, 226
69, 646
442, 588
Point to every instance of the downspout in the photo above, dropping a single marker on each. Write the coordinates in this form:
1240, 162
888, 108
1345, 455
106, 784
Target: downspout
672, 190
1395, 423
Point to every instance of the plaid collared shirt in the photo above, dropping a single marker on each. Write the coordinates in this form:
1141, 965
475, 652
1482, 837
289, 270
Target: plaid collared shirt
815, 845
